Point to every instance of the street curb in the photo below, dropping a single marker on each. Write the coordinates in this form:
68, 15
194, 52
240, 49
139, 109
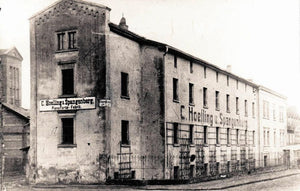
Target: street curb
227, 187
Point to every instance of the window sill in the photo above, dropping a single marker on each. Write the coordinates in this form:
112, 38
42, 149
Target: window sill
125, 145
176, 101
218, 145
192, 145
205, 107
176, 145
67, 146
205, 145
217, 109
238, 113
228, 145
67, 96
191, 104
66, 50
125, 97
228, 111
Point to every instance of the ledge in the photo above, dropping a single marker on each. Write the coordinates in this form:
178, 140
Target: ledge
66, 50
176, 101
67, 96
66, 145
125, 97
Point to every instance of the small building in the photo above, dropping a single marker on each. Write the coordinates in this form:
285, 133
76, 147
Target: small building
273, 127
15, 119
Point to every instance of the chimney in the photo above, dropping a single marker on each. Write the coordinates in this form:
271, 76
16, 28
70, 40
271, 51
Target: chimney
228, 68
122, 23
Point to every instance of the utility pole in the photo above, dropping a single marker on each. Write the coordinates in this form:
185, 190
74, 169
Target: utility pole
1, 130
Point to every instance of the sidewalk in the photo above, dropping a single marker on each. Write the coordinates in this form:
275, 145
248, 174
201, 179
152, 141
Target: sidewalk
228, 182
18, 183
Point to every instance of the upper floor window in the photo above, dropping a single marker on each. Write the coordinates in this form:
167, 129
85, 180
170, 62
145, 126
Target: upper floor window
237, 84
237, 105
217, 76
191, 67
191, 93
204, 70
175, 61
217, 100
204, 97
217, 135
205, 134
246, 108
175, 133
253, 109
274, 112
265, 109
227, 80
227, 103
72, 39
175, 90
69, 39
60, 41
67, 81
191, 132
228, 135
281, 114
124, 85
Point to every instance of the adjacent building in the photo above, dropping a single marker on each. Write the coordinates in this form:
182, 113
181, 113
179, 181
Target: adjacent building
107, 103
15, 119
272, 127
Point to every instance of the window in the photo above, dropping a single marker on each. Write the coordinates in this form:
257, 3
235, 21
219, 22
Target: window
72, 40
176, 172
237, 136
67, 81
281, 114
125, 132
228, 166
191, 140
217, 135
60, 41
192, 167
237, 105
124, 85
237, 84
175, 89
245, 87
205, 97
253, 109
217, 101
227, 80
227, 103
265, 109
246, 108
274, 138
246, 137
217, 76
274, 112
175, 133
253, 138
191, 67
191, 93
67, 130
175, 61
205, 134
228, 136
268, 137
204, 70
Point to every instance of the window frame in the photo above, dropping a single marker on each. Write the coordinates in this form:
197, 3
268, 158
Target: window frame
124, 85
125, 124
191, 94
175, 90
62, 116
64, 87
217, 100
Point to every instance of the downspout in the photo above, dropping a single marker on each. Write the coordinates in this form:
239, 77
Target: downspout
165, 106
258, 129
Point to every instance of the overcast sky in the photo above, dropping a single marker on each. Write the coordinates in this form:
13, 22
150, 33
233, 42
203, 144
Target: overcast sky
258, 38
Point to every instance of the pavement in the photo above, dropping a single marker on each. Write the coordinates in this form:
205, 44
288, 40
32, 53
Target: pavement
18, 183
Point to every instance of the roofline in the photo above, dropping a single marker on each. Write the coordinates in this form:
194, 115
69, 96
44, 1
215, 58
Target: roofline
78, 1
260, 87
10, 107
162, 46
9, 49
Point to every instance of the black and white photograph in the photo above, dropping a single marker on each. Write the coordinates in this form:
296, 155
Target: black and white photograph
149, 95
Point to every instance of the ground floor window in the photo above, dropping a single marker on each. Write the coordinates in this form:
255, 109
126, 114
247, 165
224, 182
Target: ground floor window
176, 172
67, 130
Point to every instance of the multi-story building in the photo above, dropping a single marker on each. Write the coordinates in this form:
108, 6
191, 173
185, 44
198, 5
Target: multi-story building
15, 119
272, 127
107, 103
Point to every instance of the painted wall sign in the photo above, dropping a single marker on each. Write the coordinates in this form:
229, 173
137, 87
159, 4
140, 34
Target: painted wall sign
67, 104
214, 120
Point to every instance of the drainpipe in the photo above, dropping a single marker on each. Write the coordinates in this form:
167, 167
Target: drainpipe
165, 109
259, 128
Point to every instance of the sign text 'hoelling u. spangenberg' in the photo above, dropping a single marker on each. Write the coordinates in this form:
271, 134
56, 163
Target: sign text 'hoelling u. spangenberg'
203, 117
62, 104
